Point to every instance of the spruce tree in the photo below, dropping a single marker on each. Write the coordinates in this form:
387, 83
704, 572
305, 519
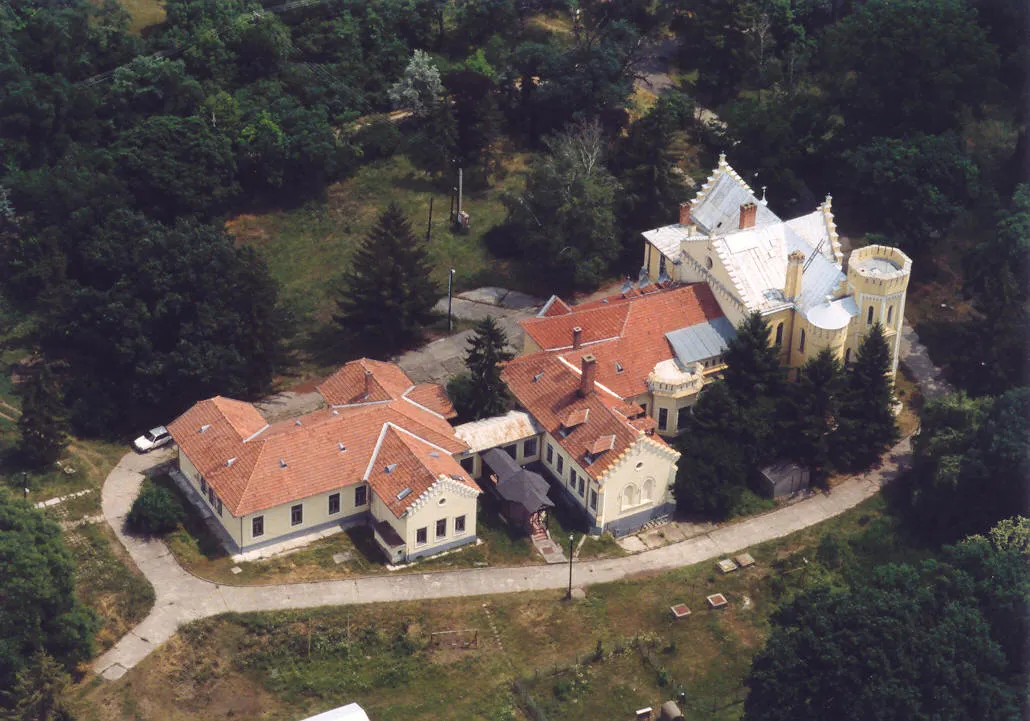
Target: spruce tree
480, 393
867, 424
42, 422
756, 382
812, 409
387, 294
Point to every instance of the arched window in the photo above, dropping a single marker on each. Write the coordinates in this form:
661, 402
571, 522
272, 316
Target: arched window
779, 334
630, 496
801, 345
890, 312
869, 316
847, 356
648, 493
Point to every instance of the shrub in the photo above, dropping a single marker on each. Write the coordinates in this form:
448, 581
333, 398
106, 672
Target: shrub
155, 512
379, 139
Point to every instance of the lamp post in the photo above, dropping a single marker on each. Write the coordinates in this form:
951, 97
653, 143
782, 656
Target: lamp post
572, 539
450, 290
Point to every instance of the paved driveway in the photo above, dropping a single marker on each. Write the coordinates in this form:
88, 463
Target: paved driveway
182, 597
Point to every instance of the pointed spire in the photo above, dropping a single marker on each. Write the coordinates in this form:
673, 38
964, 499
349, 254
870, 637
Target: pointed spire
763, 201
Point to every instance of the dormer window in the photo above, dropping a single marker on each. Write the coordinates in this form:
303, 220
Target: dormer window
618, 367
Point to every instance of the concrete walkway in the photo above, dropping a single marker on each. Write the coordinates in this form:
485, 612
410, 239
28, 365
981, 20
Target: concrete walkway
914, 357
181, 597
443, 358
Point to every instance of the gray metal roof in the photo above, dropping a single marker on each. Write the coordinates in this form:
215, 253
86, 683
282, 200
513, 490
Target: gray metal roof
515, 483
704, 340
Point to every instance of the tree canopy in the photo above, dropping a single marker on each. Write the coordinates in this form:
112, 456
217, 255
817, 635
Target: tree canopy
480, 392
38, 608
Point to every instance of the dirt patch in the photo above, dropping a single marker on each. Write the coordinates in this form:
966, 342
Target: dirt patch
247, 230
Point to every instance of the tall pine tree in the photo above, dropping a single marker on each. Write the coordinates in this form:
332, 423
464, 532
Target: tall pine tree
756, 382
387, 296
812, 409
42, 423
480, 393
867, 424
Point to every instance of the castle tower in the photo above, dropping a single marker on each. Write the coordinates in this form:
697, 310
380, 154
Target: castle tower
878, 278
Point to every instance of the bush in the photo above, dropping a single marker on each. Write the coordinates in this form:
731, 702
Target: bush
378, 139
155, 512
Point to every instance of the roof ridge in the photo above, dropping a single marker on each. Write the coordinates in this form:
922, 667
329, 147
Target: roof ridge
375, 451
404, 396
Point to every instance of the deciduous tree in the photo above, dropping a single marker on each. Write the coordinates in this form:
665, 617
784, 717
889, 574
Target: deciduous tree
38, 608
420, 88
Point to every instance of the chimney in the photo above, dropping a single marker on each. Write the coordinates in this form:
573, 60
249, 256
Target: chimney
748, 215
586, 382
795, 267
577, 337
685, 214
368, 382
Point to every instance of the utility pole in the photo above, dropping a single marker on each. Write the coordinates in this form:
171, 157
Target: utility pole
450, 292
429, 225
459, 191
572, 539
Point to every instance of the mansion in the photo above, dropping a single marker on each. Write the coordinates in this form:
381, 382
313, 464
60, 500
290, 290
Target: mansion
598, 387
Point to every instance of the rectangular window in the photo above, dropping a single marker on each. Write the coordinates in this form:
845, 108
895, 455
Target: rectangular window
203, 485
219, 506
550, 453
593, 499
572, 478
360, 495
211, 495
421, 535
469, 464
529, 447
257, 526
663, 418
334, 503
459, 525
682, 418
512, 450
297, 514
582, 486
441, 528
561, 467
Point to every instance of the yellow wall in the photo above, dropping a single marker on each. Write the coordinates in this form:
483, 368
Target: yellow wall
640, 463
565, 475
277, 520
441, 503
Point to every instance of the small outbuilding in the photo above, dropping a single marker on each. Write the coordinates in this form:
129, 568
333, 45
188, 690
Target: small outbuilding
523, 493
784, 478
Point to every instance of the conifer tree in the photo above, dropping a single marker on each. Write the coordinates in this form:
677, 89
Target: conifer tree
756, 382
387, 295
38, 691
480, 393
42, 423
867, 424
813, 406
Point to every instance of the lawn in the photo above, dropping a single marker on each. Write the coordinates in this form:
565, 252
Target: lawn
308, 247
108, 581
289, 664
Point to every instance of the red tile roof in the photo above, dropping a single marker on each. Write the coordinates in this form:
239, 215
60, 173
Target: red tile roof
365, 381
433, 397
254, 467
548, 389
625, 334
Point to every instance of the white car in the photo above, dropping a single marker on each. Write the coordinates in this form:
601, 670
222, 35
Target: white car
154, 438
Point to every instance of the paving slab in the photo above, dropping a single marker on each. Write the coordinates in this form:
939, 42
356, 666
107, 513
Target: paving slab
489, 295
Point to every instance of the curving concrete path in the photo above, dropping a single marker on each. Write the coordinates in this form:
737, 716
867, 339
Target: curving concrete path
182, 597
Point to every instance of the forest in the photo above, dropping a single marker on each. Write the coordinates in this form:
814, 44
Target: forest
126, 155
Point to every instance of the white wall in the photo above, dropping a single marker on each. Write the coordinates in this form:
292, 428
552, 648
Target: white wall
641, 463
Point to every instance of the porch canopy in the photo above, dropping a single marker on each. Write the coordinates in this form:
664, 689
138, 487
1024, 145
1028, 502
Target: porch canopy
517, 485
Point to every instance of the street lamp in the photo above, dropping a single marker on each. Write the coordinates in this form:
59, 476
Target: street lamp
572, 538
450, 290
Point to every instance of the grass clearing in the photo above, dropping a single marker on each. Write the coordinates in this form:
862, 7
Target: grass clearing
307, 248
108, 581
289, 664
144, 13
